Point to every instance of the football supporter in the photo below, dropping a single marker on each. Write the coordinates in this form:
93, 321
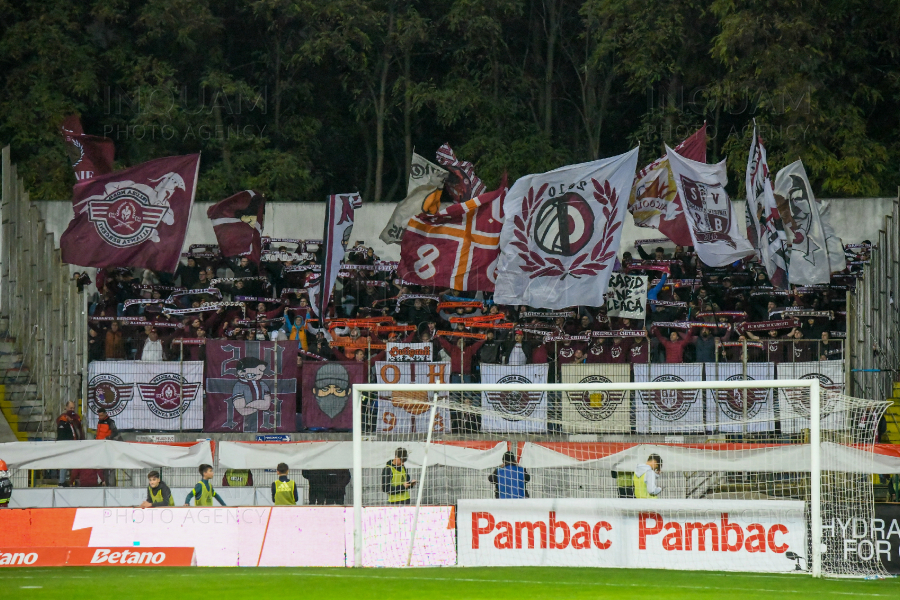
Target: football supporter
517, 351
6, 487
461, 354
395, 481
153, 348
284, 490
158, 493
674, 345
115, 343
68, 428
646, 476
509, 479
203, 493
106, 427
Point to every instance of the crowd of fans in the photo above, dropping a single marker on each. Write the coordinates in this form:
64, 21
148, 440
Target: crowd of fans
142, 315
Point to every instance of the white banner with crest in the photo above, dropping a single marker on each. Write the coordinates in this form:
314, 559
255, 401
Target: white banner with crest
514, 411
596, 411
725, 407
668, 410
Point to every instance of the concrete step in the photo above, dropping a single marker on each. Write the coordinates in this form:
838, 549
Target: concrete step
7, 346
12, 376
20, 388
10, 361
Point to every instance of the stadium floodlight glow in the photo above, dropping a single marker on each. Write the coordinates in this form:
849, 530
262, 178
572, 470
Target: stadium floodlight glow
812, 448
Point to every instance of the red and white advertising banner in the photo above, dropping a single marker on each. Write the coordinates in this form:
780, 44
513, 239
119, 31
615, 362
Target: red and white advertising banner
596, 411
793, 404
302, 536
710, 535
159, 396
407, 412
105, 454
514, 411
725, 408
668, 410
409, 352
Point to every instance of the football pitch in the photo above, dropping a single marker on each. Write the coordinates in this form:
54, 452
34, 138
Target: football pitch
524, 583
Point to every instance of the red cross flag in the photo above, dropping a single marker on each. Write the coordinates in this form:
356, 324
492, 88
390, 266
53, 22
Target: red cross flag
456, 248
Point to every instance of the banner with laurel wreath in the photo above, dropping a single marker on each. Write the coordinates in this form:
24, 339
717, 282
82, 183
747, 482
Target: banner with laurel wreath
147, 395
562, 232
596, 411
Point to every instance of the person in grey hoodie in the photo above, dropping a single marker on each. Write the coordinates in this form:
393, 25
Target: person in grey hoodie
646, 477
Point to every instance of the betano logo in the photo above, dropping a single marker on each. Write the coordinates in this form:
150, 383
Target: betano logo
125, 557
18, 558
555, 534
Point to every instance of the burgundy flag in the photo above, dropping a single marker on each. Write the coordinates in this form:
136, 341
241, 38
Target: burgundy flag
241, 381
238, 223
654, 198
91, 155
456, 248
327, 393
462, 184
339, 214
137, 217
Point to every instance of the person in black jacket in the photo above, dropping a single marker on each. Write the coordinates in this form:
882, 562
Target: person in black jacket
517, 351
395, 481
6, 487
326, 486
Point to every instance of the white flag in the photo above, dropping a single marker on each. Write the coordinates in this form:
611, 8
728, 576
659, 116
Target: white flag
562, 232
423, 194
836, 259
715, 227
809, 253
764, 227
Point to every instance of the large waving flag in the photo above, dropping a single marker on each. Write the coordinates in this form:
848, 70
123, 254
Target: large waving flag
340, 213
238, 224
562, 232
136, 217
654, 198
765, 229
423, 195
809, 251
90, 155
456, 248
462, 183
714, 224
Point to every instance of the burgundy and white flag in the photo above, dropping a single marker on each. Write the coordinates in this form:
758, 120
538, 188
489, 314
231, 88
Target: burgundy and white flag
714, 224
340, 211
90, 155
655, 201
765, 230
456, 248
562, 232
238, 223
809, 248
137, 217
462, 184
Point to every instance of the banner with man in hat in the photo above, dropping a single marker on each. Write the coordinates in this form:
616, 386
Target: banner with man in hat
327, 399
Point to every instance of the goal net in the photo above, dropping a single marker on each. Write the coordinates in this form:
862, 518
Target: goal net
737, 475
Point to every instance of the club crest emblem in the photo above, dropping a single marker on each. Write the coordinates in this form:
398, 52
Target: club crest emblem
109, 393
518, 403
668, 405
163, 395
709, 210
731, 402
596, 405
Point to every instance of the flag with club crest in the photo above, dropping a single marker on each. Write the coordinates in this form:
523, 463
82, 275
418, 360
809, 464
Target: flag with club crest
238, 224
809, 251
765, 229
456, 248
462, 183
423, 195
562, 232
654, 198
136, 217
714, 224
340, 212
90, 155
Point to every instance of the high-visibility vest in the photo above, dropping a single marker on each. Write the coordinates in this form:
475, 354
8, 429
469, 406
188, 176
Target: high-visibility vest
206, 494
640, 486
157, 496
284, 493
237, 478
398, 478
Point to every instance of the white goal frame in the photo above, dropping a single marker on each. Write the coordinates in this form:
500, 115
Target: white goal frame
815, 436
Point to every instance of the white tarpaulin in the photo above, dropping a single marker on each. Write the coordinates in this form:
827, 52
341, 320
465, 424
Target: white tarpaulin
407, 411
339, 455
768, 458
667, 410
725, 407
514, 410
562, 231
104, 454
715, 225
721, 535
596, 411
147, 395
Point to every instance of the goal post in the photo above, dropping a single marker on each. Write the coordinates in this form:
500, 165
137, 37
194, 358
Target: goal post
811, 448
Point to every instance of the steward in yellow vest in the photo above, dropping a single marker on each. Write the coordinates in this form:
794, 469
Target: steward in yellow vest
158, 493
395, 481
203, 493
646, 477
284, 490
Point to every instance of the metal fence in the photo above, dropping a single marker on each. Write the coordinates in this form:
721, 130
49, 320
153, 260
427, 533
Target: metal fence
45, 311
873, 316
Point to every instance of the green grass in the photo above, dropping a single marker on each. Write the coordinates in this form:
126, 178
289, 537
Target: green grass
522, 583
